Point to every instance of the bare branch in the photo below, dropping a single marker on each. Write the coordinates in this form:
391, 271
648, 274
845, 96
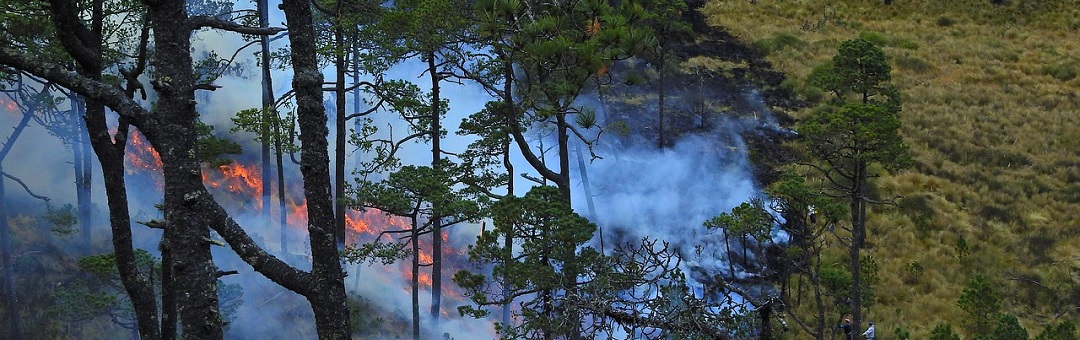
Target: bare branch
27, 188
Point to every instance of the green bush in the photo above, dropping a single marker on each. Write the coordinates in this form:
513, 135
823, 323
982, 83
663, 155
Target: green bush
1063, 72
945, 21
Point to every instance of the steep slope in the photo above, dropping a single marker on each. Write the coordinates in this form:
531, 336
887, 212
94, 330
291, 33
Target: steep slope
992, 116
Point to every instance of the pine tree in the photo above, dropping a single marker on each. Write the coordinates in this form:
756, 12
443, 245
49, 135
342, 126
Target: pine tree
857, 128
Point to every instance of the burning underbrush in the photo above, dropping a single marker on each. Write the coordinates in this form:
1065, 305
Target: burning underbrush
381, 290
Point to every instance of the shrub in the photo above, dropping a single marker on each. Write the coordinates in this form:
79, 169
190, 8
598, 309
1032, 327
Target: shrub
1063, 72
945, 21
943, 332
914, 271
902, 333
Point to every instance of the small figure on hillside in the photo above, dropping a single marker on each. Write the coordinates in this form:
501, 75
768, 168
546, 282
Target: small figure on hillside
869, 333
846, 326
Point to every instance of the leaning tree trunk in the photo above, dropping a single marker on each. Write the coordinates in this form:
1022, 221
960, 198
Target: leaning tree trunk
328, 300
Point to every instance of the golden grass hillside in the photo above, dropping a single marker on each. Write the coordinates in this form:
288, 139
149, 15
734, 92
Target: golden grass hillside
992, 115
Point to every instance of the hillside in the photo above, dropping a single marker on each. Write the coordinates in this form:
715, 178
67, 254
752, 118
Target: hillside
992, 117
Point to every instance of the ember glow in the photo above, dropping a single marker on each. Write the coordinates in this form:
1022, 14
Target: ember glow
9, 104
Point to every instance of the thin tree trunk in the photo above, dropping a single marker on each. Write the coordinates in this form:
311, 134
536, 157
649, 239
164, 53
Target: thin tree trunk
83, 172
508, 239
587, 186
436, 216
340, 64
283, 210
661, 140
268, 111
415, 284
10, 294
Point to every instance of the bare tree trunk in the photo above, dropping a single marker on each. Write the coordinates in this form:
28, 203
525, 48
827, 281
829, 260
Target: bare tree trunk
415, 284
10, 297
436, 216
268, 110
340, 64
83, 174
661, 140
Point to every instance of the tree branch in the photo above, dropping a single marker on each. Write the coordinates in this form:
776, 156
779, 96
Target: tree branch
105, 93
25, 187
204, 21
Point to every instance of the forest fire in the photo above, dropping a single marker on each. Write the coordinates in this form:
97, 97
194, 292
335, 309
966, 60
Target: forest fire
142, 156
235, 178
238, 187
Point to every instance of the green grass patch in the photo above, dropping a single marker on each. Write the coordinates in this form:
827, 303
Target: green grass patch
912, 63
779, 42
1063, 71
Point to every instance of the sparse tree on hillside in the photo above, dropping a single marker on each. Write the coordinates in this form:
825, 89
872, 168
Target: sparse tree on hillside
1007, 326
982, 303
943, 332
664, 19
857, 128
1066, 330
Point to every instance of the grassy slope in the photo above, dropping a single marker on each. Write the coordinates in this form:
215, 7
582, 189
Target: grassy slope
992, 115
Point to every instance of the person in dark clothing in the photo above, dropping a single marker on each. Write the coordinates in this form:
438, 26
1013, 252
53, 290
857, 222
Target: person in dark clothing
846, 327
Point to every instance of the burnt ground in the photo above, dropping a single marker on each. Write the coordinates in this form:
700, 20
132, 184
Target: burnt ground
745, 91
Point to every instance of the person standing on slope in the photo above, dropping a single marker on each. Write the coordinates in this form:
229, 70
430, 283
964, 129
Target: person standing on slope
869, 333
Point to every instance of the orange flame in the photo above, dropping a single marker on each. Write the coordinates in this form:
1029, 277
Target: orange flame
424, 279
243, 186
141, 155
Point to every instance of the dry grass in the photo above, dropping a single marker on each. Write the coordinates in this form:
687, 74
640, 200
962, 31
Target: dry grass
992, 115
